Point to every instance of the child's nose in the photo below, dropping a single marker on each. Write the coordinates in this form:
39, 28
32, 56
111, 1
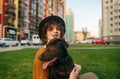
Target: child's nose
55, 31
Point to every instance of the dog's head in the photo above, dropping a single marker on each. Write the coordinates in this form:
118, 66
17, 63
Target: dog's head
55, 50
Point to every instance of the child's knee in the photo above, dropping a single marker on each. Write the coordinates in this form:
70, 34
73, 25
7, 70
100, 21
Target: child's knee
88, 75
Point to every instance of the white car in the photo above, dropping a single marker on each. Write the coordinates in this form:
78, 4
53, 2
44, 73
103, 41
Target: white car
26, 42
83, 41
8, 42
36, 40
87, 40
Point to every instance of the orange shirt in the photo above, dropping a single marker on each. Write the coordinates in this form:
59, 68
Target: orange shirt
38, 71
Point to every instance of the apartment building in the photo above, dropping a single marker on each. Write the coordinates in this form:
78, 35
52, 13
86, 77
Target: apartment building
22, 18
55, 7
69, 18
19, 19
36, 15
111, 20
1, 19
8, 19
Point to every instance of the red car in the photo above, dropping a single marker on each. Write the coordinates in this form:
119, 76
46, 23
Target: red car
99, 41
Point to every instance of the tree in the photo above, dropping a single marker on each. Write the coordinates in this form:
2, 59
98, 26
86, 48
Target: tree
84, 31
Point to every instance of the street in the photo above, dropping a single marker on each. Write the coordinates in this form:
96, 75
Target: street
38, 46
17, 48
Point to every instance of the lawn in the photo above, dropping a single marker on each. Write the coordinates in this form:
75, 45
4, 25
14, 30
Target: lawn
17, 64
103, 62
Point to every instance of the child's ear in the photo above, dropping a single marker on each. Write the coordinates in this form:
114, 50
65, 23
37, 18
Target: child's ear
65, 43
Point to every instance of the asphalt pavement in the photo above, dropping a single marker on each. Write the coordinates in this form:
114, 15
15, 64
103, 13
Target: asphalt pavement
38, 46
2, 49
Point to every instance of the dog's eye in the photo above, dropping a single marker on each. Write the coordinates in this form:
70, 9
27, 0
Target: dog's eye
51, 48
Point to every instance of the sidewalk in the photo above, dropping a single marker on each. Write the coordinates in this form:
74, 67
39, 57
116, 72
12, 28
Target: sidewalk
17, 48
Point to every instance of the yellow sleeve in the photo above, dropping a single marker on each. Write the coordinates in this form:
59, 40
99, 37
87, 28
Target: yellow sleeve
38, 71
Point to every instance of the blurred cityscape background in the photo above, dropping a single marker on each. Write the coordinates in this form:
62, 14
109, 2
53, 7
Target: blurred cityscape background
19, 19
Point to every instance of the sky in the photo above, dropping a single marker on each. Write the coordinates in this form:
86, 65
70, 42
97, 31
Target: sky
86, 14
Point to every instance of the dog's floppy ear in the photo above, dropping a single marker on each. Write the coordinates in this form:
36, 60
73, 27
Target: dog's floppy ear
65, 43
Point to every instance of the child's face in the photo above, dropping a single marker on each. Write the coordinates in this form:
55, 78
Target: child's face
53, 32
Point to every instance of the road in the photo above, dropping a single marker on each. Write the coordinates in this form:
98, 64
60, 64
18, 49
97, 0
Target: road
97, 48
16, 48
23, 47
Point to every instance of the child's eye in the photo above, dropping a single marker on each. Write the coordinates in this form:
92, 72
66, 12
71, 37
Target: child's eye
50, 28
58, 28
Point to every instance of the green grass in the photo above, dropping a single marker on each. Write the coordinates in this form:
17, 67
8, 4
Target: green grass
17, 64
103, 62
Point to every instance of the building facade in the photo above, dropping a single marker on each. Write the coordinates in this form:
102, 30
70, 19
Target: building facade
55, 7
8, 19
111, 20
19, 19
78, 36
1, 30
69, 36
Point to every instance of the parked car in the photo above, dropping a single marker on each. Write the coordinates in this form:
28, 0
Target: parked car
26, 42
36, 40
99, 41
8, 42
87, 40
83, 41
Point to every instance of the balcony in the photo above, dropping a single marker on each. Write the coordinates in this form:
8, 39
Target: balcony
9, 16
9, 19
7, 23
21, 15
10, 4
11, 12
21, 5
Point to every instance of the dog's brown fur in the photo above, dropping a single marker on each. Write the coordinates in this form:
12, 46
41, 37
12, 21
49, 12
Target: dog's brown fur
63, 65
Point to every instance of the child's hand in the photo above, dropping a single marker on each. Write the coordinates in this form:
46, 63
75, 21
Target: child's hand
75, 72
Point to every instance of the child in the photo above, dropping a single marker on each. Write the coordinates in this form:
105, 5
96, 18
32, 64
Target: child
49, 28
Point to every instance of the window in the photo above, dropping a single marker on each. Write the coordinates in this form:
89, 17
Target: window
111, 1
111, 25
111, 13
26, 1
111, 19
111, 6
